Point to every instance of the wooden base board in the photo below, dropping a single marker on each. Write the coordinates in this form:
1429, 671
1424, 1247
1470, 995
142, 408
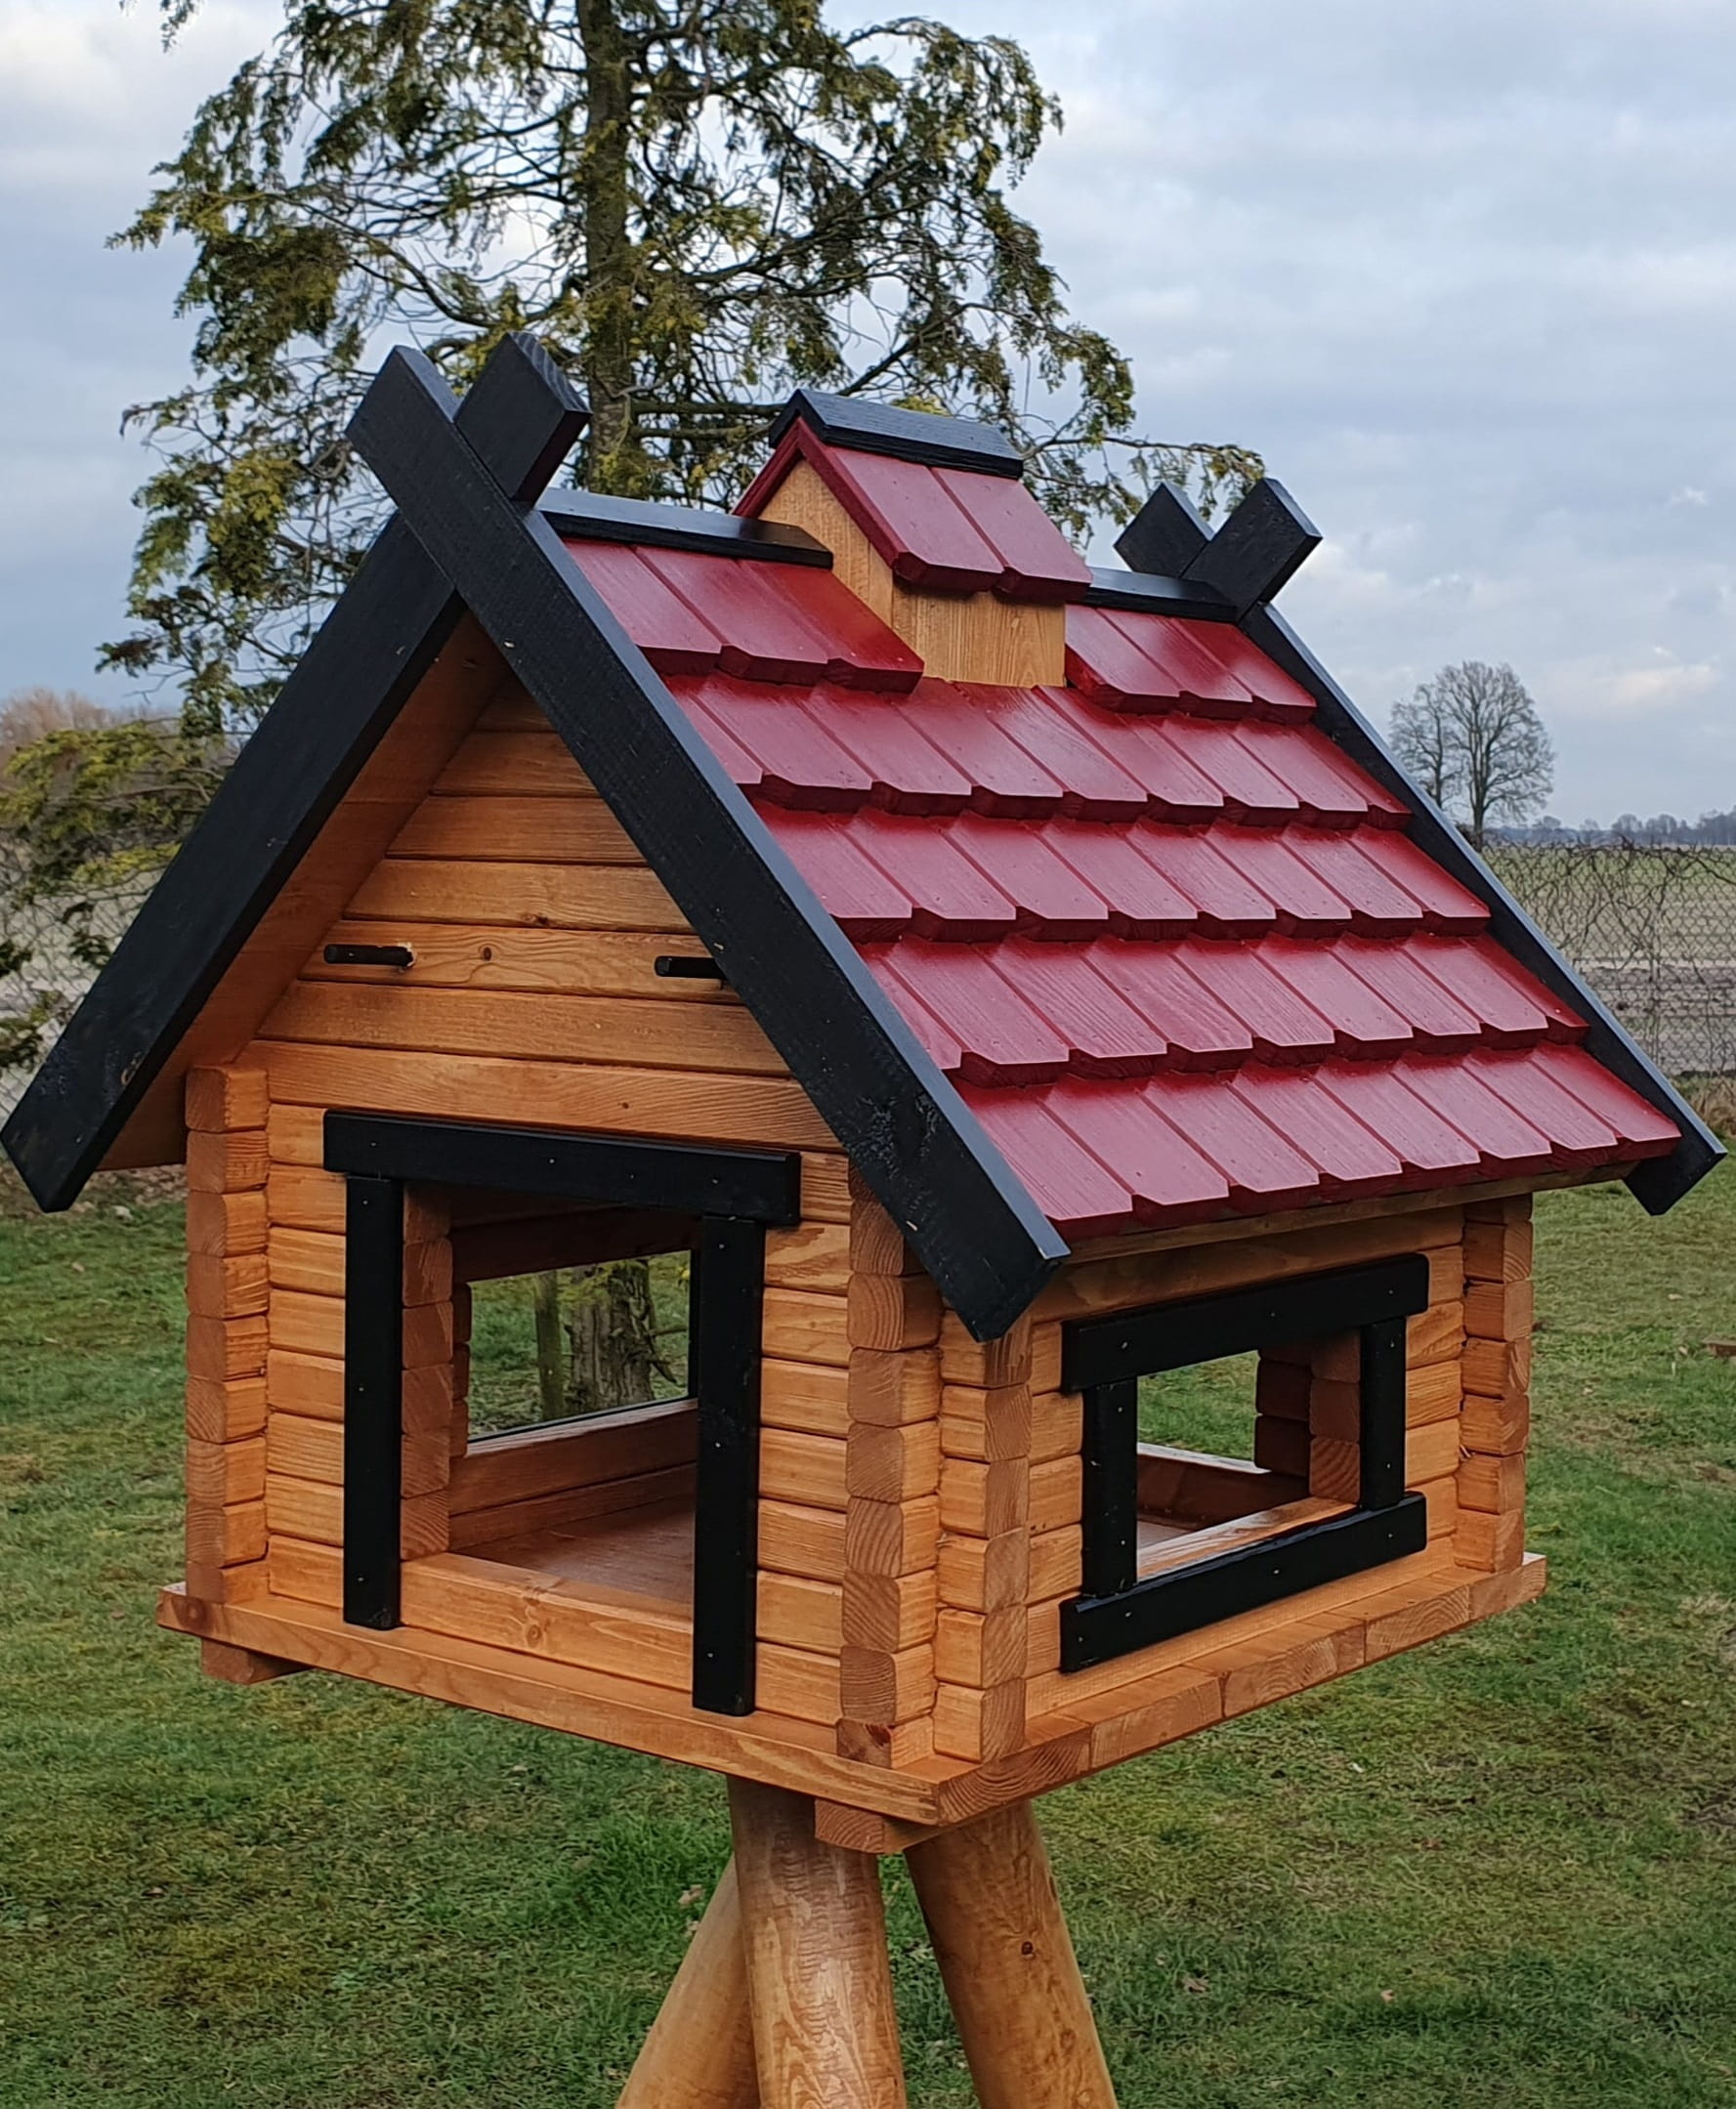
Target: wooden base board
1236, 1665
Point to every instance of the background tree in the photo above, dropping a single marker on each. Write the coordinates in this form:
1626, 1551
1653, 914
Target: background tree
93, 804
30, 714
1421, 738
1473, 735
696, 204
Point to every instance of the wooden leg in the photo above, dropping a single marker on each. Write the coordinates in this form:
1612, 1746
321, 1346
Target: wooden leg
1008, 1965
819, 1979
699, 2053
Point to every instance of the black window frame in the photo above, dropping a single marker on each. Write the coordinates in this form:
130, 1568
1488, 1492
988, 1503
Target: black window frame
1119, 1612
737, 1194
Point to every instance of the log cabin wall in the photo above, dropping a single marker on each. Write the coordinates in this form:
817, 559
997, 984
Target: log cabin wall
534, 925
1010, 1542
227, 1297
304, 1367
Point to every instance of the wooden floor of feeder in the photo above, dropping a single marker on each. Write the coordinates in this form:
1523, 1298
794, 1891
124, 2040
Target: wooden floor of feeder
647, 1552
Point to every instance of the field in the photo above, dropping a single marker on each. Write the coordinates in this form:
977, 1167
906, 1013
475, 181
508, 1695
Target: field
1499, 1871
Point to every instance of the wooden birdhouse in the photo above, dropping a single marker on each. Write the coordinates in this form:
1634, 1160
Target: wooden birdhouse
1012, 982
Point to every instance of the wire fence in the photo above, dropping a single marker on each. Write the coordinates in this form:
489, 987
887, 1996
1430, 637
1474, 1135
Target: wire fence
1651, 926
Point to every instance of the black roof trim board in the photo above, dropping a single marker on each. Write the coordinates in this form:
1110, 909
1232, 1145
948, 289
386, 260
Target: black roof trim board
1140, 593
1170, 530
878, 427
363, 665
976, 1228
585, 516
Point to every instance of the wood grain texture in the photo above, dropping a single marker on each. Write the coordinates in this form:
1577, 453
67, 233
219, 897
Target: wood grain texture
1006, 1957
566, 897
1079, 1725
230, 1097
541, 1028
548, 1094
1090, 1288
699, 2053
820, 1982
463, 953
411, 752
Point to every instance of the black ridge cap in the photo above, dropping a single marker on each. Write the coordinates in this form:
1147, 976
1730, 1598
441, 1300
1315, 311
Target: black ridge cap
365, 659
878, 427
1168, 530
588, 516
976, 1227
1140, 593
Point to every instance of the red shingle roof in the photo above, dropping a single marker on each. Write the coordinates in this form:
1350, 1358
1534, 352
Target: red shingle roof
1173, 945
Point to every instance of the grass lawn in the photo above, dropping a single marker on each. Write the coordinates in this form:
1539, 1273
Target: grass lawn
1499, 1871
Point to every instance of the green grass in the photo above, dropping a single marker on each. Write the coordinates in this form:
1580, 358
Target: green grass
1499, 1871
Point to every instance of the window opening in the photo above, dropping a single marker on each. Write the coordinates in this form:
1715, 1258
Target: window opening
1175, 1538
561, 1187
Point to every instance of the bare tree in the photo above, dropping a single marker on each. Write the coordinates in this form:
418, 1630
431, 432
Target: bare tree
1420, 738
1475, 738
30, 714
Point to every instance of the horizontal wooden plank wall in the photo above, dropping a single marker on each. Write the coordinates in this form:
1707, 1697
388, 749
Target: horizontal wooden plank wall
226, 1111
803, 1458
892, 1496
509, 1486
535, 926
1496, 1425
304, 1373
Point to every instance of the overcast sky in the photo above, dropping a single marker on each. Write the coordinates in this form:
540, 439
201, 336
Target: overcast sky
1465, 274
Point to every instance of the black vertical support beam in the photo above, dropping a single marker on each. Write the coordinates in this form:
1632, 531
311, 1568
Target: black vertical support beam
732, 1260
1111, 1505
1383, 1429
374, 1399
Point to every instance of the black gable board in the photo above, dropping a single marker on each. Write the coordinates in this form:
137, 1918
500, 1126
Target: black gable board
878, 427
1170, 535
974, 1225
378, 642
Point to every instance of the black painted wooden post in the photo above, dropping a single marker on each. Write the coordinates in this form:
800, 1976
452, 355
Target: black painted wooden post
1382, 1414
374, 1399
1111, 1486
732, 1260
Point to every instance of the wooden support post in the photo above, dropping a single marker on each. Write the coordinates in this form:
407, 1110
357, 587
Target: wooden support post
818, 1980
1008, 1965
699, 2053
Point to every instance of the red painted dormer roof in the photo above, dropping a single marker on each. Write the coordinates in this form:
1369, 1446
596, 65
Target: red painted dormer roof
965, 525
1178, 951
